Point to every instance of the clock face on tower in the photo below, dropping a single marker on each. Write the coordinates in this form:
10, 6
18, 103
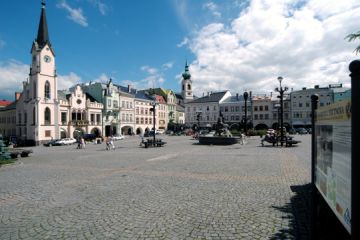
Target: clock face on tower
47, 58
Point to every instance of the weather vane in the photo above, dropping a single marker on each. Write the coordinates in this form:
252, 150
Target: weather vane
43, 3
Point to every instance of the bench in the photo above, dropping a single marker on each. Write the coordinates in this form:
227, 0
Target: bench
14, 153
150, 143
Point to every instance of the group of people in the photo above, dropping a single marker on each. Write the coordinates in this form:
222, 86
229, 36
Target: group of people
81, 143
110, 143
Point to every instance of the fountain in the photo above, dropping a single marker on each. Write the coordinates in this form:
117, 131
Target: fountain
222, 136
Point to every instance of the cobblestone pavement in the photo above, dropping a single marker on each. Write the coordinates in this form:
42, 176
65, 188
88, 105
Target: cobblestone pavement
180, 191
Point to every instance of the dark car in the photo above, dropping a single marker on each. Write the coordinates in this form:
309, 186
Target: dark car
54, 142
292, 131
149, 134
301, 131
89, 137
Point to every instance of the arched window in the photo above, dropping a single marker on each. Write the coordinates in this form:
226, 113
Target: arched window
189, 87
47, 116
47, 89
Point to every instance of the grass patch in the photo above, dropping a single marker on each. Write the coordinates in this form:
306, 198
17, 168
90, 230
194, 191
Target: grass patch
6, 161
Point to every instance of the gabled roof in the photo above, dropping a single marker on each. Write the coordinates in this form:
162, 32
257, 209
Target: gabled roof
212, 97
233, 99
143, 96
160, 99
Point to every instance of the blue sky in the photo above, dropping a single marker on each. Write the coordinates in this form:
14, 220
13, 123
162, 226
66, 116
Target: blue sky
232, 45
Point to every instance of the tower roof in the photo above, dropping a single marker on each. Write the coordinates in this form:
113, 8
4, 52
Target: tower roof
43, 32
186, 74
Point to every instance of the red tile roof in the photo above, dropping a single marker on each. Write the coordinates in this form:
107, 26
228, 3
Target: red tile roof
4, 103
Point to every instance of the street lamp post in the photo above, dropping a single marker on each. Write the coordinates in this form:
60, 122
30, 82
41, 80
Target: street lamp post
154, 119
281, 90
198, 115
277, 106
246, 95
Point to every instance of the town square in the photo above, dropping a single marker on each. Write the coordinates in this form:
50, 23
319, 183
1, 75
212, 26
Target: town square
181, 191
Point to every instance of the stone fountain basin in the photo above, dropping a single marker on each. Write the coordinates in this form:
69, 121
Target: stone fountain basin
218, 140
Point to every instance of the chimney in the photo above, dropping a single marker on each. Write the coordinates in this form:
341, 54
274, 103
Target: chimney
129, 88
304, 88
17, 95
237, 97
316, 86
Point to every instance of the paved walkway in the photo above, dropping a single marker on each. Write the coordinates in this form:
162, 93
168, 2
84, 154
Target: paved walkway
180, 191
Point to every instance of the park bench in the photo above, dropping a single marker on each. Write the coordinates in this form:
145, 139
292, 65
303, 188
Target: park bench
150, 143
14, 153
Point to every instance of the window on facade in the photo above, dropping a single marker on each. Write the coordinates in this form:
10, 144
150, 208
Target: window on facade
237, 109
47, 116
47, 89
300, 104
307, 104
98, 117
142, 121
137, 120
266, 116
194, 108
207, 108
266, 108
123, 104
92, 117
183, 87
109, 102
232, 109
116, 104
63, 117
47, 133
150, 120
226, 109
34, 93
189, 87
142, 110
286, 116
255, 108
261, 116
214, 108
33, 116
261, 108
146, 121
255, 116
123, 116
19, 118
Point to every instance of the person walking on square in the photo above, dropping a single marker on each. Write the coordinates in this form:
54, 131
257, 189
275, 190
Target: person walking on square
82, 142
111, 141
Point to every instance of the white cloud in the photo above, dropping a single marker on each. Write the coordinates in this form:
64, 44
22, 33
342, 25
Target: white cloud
102, 7
67, 81
301, 41
167, 65
12, 74
149, 70
184, 42
213, 8
75, 15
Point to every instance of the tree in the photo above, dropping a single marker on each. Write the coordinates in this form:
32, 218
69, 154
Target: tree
353, 36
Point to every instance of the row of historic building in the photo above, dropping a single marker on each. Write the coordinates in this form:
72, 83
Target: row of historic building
42, 112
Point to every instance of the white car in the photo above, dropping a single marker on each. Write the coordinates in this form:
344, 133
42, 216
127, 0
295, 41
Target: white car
66, 141
118, 137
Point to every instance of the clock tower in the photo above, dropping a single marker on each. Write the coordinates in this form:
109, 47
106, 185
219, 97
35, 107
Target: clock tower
186, 85
37, 108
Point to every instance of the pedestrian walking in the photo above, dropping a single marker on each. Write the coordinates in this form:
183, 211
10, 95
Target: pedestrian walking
82, 142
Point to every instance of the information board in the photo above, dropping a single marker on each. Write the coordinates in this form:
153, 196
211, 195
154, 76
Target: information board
333, 160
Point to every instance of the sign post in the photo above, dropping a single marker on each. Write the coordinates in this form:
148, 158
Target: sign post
354, 68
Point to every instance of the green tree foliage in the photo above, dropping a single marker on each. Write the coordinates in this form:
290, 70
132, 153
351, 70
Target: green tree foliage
353, 36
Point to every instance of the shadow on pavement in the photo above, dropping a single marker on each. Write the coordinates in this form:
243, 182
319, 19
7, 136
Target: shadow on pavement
298, 212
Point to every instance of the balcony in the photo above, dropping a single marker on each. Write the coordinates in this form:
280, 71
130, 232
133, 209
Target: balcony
79, 123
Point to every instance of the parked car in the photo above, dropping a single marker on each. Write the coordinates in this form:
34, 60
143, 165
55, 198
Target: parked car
67, 141
54, 142
292, 131
118, 137
301, 131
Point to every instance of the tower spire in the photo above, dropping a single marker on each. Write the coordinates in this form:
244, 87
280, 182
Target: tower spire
43, 33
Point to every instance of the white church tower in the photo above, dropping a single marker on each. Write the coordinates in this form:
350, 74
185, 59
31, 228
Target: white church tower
186, 85
37, 108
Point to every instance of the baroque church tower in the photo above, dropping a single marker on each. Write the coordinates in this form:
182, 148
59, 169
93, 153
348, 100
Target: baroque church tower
37, 108
186, 85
